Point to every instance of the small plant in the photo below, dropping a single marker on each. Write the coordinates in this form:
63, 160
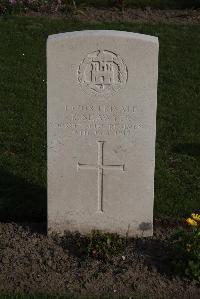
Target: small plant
103, 246
187, 249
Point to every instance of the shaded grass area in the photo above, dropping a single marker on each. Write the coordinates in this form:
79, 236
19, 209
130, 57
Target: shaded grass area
23, 115
161, 4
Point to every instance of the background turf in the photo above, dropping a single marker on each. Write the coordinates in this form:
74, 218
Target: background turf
23, 115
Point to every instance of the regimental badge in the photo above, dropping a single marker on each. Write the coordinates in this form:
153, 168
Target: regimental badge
102, 73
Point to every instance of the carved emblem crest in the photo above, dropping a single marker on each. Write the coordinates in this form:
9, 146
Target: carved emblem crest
102, 73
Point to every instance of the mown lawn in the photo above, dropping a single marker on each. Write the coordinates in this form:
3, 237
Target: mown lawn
23, 115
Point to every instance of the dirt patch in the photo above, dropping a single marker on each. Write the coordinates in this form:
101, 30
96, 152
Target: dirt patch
148, 15
31, 262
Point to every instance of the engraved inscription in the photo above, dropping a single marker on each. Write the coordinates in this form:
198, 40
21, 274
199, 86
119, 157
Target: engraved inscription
102, 73
100, 120
100, 167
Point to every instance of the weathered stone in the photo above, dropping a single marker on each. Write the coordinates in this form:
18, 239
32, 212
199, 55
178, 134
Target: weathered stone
102, 94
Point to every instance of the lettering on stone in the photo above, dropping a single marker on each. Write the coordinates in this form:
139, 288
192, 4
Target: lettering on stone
100, 120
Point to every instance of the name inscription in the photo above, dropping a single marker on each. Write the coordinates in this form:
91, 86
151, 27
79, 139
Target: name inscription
99, 120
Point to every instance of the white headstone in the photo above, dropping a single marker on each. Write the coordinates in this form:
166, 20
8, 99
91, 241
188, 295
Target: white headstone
102, 94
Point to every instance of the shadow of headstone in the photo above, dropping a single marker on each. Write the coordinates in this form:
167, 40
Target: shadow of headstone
21, 201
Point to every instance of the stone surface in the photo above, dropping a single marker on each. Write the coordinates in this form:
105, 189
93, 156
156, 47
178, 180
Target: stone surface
102, 94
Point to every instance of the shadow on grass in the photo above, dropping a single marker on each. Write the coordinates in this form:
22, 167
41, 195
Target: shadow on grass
21, 201
188, 149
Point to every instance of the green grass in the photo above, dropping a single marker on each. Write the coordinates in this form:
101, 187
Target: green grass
161, 4
23, 115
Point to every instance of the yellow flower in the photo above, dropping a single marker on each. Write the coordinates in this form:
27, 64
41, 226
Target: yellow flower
196, 217
191, 222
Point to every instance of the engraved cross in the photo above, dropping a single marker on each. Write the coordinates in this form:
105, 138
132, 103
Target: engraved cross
100, 168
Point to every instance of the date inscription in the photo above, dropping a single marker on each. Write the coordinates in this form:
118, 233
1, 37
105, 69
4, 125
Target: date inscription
99, 120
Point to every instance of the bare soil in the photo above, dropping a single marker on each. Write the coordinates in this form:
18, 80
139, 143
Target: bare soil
32, 262
147, 15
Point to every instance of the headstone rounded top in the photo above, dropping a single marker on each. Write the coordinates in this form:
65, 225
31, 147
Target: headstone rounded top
90, 33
